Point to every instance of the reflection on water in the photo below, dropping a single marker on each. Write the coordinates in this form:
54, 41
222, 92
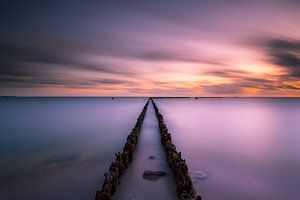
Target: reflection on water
59, 148
248, 147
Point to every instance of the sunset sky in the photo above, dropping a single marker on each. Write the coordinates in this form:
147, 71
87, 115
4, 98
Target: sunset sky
150, 48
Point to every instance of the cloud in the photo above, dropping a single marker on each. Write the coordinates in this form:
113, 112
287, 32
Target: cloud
239, 80
284, 53
22, 59
70, 82
24, 65
232, 88
174, 56
39, 63
227, 73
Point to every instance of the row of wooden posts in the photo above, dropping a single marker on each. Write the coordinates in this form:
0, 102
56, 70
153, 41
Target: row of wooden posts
177, 164
116, 169
185, 188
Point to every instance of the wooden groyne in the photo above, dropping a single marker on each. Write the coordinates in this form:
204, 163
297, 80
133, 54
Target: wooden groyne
116, 169
185, 188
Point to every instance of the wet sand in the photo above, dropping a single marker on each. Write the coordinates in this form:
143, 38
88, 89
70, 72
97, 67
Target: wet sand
133, 185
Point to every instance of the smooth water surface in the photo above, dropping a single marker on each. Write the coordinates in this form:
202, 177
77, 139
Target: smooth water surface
249, 148
59, 148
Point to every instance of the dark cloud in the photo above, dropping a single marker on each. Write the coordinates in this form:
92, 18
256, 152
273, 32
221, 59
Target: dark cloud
238, 75
285, 53
29, 53
259, 83
22, 59
227, 73
23, 65
239, 80
70, 82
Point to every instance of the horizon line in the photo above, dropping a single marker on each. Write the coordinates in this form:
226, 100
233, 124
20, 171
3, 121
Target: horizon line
58, 96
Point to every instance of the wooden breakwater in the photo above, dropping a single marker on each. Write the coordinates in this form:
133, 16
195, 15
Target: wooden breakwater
116, 169
185, 188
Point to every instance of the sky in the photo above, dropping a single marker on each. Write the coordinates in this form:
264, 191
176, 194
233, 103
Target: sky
150, 48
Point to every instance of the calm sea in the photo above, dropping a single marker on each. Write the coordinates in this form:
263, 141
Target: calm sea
236, 149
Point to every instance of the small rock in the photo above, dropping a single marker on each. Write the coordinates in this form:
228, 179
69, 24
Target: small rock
153, 175
151, 157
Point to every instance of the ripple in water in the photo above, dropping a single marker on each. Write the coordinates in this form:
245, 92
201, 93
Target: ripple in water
197, 175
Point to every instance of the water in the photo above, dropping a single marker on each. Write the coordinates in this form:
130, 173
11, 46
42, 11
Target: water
59, 148
249, 148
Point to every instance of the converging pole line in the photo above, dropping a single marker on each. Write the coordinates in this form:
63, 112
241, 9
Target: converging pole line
185, 188
112, 177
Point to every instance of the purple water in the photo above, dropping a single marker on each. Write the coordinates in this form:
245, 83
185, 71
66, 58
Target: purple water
59, 148
249, 148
